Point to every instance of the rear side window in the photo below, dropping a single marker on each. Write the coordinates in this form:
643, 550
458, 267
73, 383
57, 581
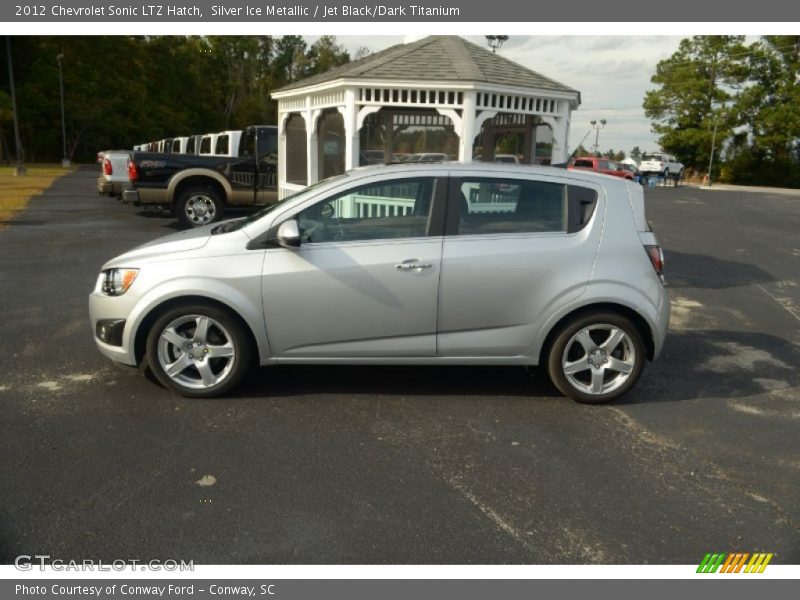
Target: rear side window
223, 144
497, 206
205, 145
581, 204
584, 163
190, 146
176, 146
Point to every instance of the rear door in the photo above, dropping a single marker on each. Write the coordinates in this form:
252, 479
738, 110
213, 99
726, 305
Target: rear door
515, 249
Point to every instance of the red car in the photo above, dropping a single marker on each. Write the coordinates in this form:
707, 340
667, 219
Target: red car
599, 165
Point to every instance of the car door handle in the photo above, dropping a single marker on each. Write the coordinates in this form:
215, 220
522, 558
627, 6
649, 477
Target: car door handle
412, 266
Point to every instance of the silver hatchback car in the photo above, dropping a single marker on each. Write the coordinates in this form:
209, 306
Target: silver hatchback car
465, 264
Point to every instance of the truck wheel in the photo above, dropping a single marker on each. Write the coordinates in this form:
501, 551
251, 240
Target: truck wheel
199, 206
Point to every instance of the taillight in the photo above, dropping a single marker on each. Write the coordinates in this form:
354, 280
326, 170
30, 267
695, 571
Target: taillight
107, 168
656, 257
133, 173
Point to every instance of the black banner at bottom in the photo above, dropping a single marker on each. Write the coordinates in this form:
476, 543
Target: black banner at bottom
383, 589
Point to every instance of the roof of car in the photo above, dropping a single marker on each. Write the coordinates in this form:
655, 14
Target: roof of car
485, 167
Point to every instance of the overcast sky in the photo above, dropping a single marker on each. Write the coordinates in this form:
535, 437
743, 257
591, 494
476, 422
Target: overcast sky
612, 74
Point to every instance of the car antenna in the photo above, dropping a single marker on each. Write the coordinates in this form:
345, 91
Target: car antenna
571, 156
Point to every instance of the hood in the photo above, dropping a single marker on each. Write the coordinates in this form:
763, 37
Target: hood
183, 241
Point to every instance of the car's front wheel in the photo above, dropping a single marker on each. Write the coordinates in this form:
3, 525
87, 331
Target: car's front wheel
596, 357
198, 350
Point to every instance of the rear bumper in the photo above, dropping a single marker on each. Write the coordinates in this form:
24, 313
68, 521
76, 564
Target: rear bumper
130, 196
146, 196
111, 188
104, 186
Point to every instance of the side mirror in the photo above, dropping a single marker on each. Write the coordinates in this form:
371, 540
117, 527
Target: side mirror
289, 234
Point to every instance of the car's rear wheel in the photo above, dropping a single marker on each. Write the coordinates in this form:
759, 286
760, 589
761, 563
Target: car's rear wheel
199, 206
198, 350
596, 357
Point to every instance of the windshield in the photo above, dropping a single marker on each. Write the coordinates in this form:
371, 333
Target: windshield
236, 224
651, 157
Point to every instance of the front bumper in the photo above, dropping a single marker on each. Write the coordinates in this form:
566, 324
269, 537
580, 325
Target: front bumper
110, 309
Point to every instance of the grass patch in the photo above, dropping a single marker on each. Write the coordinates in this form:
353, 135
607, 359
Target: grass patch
15, 192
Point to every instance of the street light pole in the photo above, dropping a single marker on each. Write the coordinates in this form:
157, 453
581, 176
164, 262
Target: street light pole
20, 168
597, 128
64, 160
496, 41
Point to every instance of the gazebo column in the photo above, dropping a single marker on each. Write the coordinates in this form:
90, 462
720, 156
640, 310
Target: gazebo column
312, 143
283, 118
560, 127
351, 129
468, 130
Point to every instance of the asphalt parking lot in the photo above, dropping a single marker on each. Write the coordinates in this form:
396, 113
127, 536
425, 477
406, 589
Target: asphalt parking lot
407, 464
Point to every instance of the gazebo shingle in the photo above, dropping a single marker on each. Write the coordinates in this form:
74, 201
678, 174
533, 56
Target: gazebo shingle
437, 58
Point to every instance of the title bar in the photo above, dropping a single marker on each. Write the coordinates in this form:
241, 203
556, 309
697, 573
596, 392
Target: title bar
419, 11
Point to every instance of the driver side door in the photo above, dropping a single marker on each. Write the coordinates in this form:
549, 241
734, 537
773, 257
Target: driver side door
364, 281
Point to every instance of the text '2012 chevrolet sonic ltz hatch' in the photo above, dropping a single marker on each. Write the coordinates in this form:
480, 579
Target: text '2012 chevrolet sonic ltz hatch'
466, 264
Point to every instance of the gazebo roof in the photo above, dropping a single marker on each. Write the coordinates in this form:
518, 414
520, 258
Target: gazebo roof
436, 58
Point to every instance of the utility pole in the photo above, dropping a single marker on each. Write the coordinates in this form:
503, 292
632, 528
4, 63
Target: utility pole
65, 159
19, 169
597, 127
713, 147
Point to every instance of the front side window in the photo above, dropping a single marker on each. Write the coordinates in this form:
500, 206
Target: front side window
497, 206
388, 210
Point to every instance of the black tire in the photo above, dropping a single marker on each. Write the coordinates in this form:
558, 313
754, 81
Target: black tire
195, 356
629, 352
198, 206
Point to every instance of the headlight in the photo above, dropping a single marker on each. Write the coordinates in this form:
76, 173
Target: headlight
117, 281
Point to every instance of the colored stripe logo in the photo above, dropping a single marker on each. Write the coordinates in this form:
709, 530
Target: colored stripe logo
738, 562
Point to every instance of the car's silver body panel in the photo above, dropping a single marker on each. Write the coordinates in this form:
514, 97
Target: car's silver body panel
482, 299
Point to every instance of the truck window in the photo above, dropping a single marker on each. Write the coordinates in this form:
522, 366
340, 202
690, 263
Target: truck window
222, 145
584, 163
190, 146
246, 143
205, 146
267, 143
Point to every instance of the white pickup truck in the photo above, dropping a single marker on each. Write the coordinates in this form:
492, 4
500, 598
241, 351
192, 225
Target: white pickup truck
113, 172
661, 164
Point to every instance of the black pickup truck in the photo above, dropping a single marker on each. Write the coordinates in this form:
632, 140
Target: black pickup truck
197, 189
